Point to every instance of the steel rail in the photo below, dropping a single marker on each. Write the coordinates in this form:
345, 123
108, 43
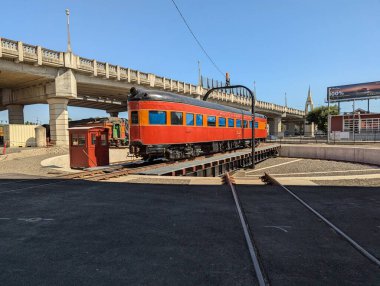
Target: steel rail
356, 245
254, 256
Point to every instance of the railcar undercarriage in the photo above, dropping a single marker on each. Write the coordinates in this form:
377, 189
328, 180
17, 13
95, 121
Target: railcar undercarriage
186, 151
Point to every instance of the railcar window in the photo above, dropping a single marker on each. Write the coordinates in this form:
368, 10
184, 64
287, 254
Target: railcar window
238, 123
250, 124
211, 121
231, 122
190, 119
135, 117
157, 117
222, 122
199, 119
245, 124
256, 124
176, 118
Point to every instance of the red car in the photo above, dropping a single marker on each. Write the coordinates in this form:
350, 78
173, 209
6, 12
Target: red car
172, 126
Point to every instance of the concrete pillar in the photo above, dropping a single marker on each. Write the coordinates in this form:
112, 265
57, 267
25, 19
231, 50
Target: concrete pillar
309, 129
277, 126
59, 135
15, 114
59, 93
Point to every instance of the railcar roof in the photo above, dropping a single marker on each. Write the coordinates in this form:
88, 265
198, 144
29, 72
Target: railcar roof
157, 95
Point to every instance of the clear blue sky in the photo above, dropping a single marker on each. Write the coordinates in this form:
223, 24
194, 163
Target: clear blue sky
282, 45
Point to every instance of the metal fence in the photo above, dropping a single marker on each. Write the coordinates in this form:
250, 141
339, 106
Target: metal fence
319, 137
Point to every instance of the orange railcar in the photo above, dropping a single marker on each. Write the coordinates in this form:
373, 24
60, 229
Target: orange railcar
172, 126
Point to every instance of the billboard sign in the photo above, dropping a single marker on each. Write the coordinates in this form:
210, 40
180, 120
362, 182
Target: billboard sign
354, 91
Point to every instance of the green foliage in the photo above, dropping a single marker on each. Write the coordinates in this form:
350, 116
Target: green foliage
319, 116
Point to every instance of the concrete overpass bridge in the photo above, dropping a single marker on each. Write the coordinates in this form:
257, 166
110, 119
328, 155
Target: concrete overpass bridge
32, 75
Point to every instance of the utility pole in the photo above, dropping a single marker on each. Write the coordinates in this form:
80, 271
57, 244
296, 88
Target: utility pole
228, 82
199, 74
286, 101
68, 31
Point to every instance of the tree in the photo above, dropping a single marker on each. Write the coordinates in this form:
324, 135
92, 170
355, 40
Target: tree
319, 116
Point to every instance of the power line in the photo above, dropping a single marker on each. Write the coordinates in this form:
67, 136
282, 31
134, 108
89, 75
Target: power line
196, 39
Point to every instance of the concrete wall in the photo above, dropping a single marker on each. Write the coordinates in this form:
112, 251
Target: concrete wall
337, 153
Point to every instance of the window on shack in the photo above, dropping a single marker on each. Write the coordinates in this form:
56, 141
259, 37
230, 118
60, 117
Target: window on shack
81, 140
74, 139
103, 140
93, 139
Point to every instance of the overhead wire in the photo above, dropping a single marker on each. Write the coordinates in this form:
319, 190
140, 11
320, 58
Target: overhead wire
196, 39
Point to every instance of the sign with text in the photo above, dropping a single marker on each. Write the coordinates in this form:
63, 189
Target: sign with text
354, 91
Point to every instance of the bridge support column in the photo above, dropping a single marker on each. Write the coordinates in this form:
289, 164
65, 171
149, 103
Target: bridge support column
59, 135
309, 129
15, 114
59, 93
277, 130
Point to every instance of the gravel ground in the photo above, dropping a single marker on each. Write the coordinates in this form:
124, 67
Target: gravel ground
305, 165
27, 162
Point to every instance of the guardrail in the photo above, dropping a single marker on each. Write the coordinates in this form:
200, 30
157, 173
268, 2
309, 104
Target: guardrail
37, 55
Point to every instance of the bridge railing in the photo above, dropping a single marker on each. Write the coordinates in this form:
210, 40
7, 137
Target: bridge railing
21, 52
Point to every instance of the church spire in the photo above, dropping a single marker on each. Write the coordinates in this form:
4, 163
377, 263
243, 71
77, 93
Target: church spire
309, 98
309, 101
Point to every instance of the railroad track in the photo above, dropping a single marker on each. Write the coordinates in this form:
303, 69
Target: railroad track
270, 179
258, 265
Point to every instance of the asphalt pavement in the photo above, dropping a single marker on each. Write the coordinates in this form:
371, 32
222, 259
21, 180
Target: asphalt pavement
91, 233
296, 248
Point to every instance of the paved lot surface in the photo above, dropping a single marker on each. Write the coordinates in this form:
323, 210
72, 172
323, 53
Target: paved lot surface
83, 233
356, 210
298, 249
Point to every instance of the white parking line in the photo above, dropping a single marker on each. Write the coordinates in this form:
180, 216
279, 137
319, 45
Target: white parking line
285, 163
281, 227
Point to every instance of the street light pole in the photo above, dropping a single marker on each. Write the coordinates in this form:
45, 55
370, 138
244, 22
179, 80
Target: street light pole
68, 31
252, 111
